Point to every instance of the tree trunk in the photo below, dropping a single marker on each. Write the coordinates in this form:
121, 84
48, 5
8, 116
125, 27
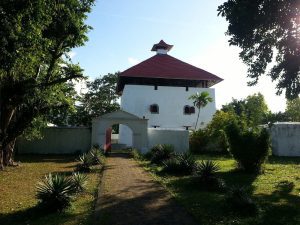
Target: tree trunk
9, 150
197, 119
5, 147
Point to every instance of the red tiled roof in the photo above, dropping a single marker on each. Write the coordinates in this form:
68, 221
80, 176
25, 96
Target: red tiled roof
168, 67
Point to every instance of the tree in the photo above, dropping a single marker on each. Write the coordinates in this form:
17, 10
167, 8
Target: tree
253, 109
101, 98
35, 35
200, 100
265, 29
293, 110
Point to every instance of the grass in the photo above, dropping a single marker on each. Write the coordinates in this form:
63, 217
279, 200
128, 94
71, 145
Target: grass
276, 192
17, 191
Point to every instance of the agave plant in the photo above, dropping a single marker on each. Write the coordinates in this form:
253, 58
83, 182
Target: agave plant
85, 161
161, 152
79, 181
96, 156
55, 192
206, 176
207, 169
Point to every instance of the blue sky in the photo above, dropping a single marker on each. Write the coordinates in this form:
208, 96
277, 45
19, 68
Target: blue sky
124, 32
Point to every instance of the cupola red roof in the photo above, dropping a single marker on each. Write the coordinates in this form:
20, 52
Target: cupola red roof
161, 45
165, 70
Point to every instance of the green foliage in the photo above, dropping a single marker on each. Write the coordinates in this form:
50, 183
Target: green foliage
35, 72
205, 173
198, 141
253, 110
161, 152
101, 98
55, 192
239, 201
248, 146
213, 138
264, 29
79, 181
97, 156
136, 154
180, 163
207, 169
200, 100
293, 110
85, 161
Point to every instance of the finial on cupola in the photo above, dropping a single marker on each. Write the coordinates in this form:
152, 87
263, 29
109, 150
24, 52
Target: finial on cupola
161, 47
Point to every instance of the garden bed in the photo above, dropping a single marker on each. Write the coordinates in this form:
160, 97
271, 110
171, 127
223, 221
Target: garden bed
18, 188
276, 192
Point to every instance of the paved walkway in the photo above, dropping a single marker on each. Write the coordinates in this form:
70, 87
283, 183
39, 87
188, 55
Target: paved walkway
129, 196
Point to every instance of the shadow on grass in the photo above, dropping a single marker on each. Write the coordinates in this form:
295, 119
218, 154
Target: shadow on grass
281, 207
283, 160
28, 158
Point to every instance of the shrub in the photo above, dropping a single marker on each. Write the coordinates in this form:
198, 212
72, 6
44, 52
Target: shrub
205, 172
180, 163
198, 141
240, 202
79, 181
249, 147
136, 154
96, 155
85, 161
159, 153
55, 192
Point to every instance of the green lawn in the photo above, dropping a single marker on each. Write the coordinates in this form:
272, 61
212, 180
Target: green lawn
17, 191
276, 192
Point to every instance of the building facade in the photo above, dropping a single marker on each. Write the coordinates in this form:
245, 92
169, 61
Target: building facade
158, 89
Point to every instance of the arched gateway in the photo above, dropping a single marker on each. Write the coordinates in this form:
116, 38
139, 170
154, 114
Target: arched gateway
102, 124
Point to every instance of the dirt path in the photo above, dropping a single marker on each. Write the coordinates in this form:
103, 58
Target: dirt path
129, 196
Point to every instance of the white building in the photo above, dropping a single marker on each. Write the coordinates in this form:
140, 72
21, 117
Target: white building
158, 89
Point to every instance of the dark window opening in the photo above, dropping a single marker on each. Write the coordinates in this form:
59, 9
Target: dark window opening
186, 88
186, 109
192, 110
154, 108
155, 87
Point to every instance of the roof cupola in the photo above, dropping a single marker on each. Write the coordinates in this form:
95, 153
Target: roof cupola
161, 48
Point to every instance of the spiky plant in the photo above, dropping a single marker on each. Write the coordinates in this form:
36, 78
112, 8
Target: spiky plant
205, 173
171, 166
79, 181
161, 152
85, 161
207, 169
96, 156
187, 162
55, 192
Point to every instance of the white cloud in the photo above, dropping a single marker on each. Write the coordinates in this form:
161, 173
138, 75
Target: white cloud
72, 54
132, 61
223, 60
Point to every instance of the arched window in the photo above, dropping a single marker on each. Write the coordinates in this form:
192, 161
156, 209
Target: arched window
154, 108
186, 109
192, 109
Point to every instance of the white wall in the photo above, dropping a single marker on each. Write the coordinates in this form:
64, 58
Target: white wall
178, 138
57, 140
136, 99
285, 139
